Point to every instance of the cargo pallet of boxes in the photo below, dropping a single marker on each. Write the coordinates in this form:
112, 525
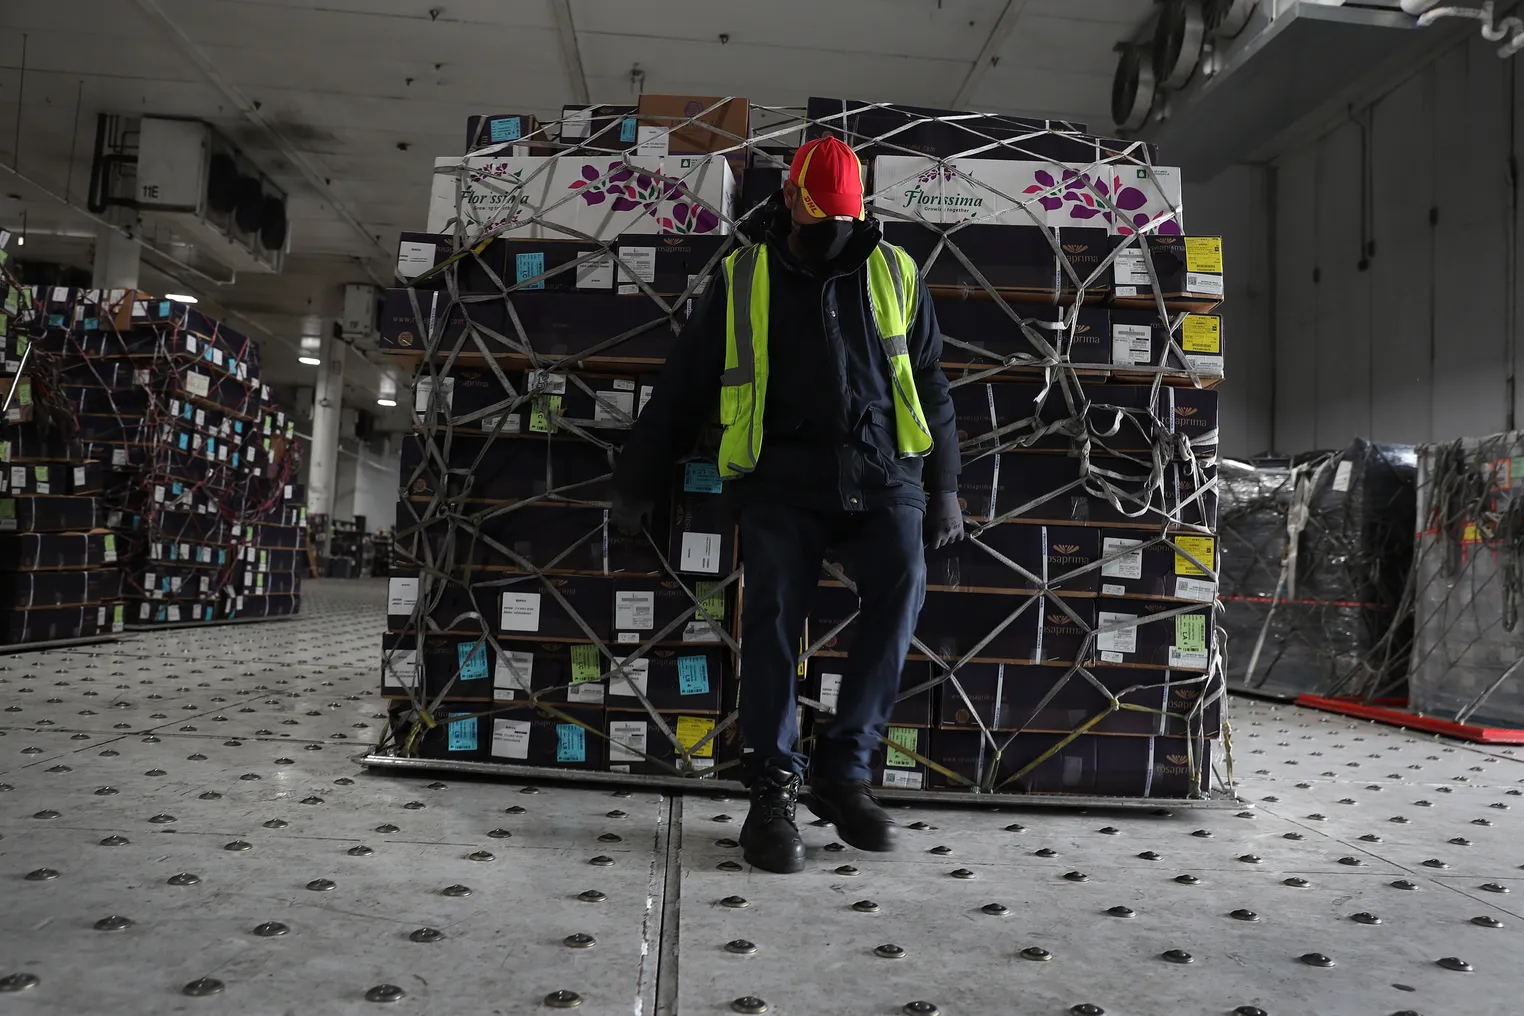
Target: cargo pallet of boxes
169, 441
1067, 648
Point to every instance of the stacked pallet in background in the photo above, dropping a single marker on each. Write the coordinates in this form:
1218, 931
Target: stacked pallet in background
148, 419
1068, 647
1315, 557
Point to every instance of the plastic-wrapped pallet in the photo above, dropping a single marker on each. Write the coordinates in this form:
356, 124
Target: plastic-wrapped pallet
1315, 552
1468, 643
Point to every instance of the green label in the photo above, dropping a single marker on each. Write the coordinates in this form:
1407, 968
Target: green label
901, 737
1190, 633
586, 664
545, 406
712, 595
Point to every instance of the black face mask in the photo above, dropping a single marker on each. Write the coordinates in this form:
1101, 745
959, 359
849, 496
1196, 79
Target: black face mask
824, 240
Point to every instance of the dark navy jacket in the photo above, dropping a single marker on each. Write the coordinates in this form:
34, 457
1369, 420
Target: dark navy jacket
828, 427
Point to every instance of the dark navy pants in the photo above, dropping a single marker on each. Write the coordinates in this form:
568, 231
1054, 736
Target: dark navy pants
783, 548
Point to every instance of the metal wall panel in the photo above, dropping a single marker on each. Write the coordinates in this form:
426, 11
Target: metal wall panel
1296, 304
1337, 369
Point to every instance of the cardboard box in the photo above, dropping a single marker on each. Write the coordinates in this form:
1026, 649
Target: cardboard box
499, 265
59, 588
642, 607
558, 539
46, 624
1082, 249
556, 325
995, 330
1188, 270
541, 402
1018, 261
875, 129
1010, 697
525, 197
672, 680
1020, 193
951, 625
823, 684
1007, 416
1050, 488
1096, 764
1139, 637
484, 130
1146, 565
633, 737
50, 514
668, 265
520, 609
1140, 337
598, 128
892, 767
719, 123
43, 551
702, 536
516, 736
510, 468
1046, 552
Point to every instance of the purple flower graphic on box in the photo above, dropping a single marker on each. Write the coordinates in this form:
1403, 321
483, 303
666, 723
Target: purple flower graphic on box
1045, 181
936, 174
629, 189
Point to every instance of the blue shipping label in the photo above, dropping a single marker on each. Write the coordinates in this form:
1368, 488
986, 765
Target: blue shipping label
692, 675
701, 478
527, 266
627, 129
163, 308
55, 320
571, 743
184, 440
92, 324
506, 128
473, 660
462, 734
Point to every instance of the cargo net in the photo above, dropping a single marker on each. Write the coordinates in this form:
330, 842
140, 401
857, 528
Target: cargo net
1098, 420
1316, 552
1463, 643
194, 457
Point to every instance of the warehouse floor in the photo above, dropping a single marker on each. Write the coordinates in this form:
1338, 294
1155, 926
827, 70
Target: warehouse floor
182, 816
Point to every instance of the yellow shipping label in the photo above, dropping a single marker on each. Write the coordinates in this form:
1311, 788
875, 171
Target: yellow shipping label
544, 407
1201, 333
586, 664
908, 738
1199, 547
1190, 633
693, 729
24, 392
1203, 254
712, 596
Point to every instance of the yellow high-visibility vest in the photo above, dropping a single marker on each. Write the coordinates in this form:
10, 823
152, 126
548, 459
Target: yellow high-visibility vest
743, 385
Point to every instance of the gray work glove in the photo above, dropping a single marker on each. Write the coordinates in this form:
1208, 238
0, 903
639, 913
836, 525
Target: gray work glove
944, 520
631, 515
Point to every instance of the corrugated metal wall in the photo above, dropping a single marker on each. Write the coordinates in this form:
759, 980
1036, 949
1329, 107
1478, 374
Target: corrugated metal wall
1394, 277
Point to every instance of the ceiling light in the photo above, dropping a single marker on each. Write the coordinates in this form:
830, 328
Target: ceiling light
388, 403
310, 361
181, 297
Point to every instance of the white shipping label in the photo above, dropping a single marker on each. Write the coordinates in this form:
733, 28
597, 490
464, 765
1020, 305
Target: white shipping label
1342, 475
637, 263
514, 672
197, 383
576, 124
510, 422
645, 396
628, 289
1126, 291
634, 611
79, 476
413, 258
700, 631
1131, 344
651, 141
1123, 640
596, 273
18, 478
1113, 658
604, 409
119, 457
1129, 268
900, 779
627, 739
1128, 566
174, 612
510, 738
425, 386
636, 674
1200, 590
1110, 589
44, 488
543, 382
1199, 282
1196, 660
830, 691
628, 638
400, 669
401, 595
520, 612
1201, 363
701, 553
588, 692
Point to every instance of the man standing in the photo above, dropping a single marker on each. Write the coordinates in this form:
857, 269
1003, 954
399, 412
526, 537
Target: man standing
821, 349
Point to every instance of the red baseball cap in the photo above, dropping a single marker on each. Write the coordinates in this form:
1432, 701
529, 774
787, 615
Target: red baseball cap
829, 177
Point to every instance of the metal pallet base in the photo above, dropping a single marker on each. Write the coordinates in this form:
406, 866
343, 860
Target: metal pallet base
1217, 800
28, 647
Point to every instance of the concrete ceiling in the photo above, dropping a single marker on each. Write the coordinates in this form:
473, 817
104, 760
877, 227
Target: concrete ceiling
346, 103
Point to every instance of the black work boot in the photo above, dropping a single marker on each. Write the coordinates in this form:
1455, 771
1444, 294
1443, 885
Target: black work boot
769, 839
850, 807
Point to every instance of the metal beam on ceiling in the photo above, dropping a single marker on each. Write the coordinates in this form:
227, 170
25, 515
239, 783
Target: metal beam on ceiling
990, 51
571, 54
